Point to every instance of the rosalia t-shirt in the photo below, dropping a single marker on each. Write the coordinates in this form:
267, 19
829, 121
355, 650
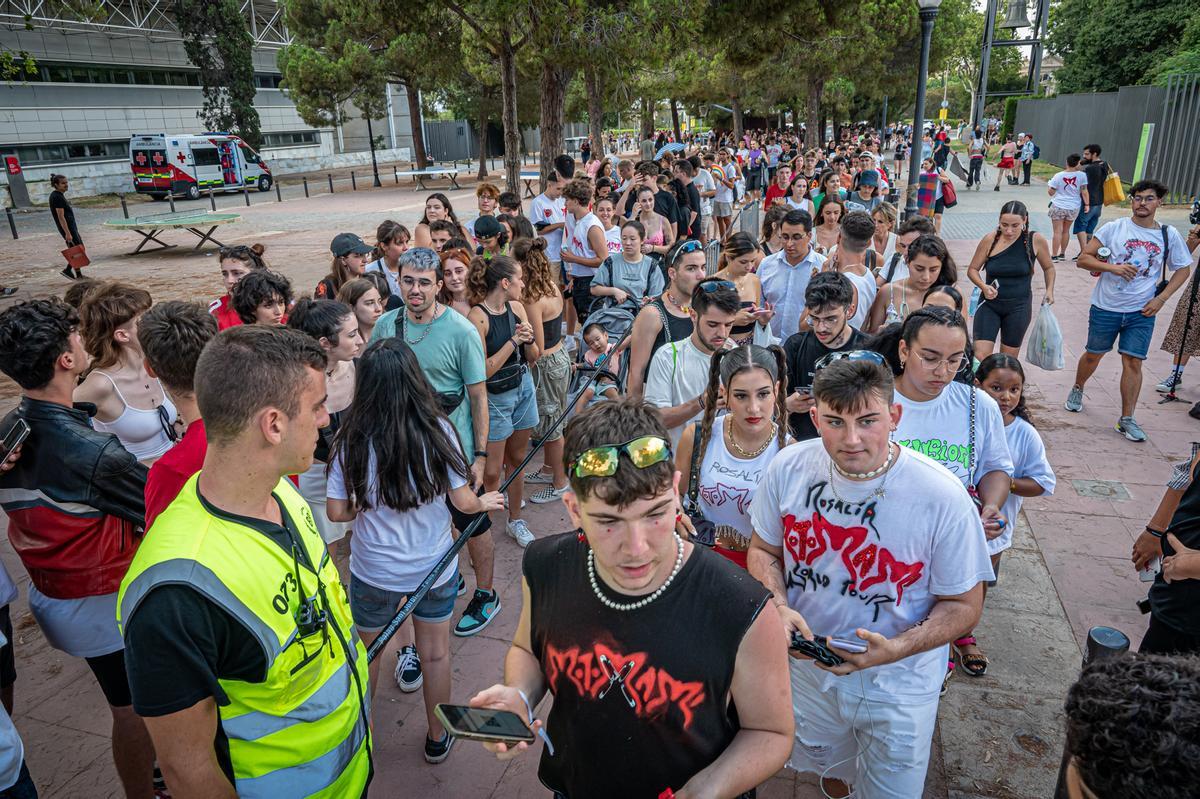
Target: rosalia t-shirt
1142, 247
1068, 189
876, 554
939, 428
544, 211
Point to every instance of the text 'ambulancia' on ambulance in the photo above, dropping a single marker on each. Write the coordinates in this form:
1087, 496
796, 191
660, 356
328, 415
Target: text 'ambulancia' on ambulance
186, 165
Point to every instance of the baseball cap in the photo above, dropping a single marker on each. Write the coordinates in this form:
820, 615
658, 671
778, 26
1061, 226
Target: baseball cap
868, 177
486, 227
346, 243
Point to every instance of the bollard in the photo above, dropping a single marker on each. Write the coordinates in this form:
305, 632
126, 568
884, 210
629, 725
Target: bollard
395, 174
330, 182
1102, 642
306, 188
353, 184
171, 200
124, 207
12, 222
278, 196
212, 199
246, 194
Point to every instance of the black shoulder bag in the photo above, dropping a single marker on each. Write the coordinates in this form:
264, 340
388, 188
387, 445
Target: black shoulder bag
705, 531
1162, 284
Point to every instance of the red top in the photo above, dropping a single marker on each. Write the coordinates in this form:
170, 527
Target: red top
226, 316
173, 469
773, 193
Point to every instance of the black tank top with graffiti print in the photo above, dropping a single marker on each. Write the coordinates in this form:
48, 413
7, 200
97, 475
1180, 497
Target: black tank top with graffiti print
638, 706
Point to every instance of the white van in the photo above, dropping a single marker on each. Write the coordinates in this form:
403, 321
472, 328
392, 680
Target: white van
186, 165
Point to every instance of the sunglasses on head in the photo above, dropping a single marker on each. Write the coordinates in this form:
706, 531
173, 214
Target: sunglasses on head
709, 286
602, 461
691, 245
849, 355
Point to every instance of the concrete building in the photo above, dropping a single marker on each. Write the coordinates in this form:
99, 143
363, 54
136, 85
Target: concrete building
124, 72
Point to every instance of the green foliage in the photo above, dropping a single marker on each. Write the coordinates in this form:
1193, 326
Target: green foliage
1186, 62
1106, 44
218, 42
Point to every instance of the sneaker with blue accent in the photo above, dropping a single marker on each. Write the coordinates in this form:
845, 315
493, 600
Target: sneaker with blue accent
1074, 402
462, 584
437, 751
482, 608
408, 669
1129, 428
1169, 383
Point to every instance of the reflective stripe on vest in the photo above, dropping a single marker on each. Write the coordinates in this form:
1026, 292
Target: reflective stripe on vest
303, 730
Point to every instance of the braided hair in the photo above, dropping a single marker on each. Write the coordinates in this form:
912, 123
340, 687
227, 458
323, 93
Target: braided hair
1017, 208
727, 364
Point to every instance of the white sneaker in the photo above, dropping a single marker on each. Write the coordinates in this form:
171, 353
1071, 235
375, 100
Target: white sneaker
548, 494
523, 503
520, 531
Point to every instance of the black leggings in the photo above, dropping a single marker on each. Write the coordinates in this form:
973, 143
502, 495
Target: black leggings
1008, 317
976, 167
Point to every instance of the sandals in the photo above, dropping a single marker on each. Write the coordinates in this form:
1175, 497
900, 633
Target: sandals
974, 664
949, 674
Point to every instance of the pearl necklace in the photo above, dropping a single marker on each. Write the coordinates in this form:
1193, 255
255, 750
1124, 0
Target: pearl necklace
878, 491
646, 600
760, 450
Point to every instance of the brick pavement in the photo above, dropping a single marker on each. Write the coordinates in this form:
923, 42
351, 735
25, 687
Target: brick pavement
998, 736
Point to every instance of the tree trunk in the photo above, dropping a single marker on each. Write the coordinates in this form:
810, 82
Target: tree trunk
512, 133
795, 110
595, 109
418, 130
553, 90
483, 145
647, 118
812, 122
675, 120
738, 129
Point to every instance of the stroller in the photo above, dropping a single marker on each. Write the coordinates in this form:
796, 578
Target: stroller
617, 320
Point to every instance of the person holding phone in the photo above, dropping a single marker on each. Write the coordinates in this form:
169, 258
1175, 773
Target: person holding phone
862, 539
827, 302
655, 719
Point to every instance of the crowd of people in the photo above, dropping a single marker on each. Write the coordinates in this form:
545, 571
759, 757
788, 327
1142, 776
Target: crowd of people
814, 434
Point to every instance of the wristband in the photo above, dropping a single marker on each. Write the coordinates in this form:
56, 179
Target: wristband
1155, 533
480, 453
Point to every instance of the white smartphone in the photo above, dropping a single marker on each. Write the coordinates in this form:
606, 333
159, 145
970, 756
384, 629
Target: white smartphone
855, 646
1153, 567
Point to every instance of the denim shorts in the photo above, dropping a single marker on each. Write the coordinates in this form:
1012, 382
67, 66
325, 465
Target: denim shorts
372, 608
512, 410
1086, 222
1134, 330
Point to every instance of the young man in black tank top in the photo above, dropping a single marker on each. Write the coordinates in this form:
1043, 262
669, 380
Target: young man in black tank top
686, 269
637, 709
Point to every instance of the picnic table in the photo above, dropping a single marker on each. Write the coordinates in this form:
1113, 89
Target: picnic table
149, 226
529, 178
419, 175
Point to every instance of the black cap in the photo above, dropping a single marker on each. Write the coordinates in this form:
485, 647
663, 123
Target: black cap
487, 226
346, 243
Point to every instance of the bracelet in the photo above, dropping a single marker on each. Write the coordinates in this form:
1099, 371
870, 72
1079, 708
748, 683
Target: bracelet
1155, 533
480, 453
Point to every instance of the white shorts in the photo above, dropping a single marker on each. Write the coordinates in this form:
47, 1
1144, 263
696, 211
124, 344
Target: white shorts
84, 627
879, 748
312, 488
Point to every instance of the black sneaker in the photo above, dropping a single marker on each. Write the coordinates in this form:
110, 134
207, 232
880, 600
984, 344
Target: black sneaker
482, 608
7, 291
408, 669
67, 273
437, 751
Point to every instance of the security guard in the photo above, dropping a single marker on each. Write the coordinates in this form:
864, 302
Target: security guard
242, 654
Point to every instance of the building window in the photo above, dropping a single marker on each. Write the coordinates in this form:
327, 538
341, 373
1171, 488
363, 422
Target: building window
74, 152
51, 72
290, 139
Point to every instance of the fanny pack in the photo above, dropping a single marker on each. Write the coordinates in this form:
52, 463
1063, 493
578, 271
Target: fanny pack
449, 400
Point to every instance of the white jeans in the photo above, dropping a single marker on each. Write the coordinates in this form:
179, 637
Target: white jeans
879, 748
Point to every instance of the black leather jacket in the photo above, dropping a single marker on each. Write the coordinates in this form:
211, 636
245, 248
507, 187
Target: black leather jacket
75, 501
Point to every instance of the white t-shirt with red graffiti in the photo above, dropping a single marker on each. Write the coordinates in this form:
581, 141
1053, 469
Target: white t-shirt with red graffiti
856, 558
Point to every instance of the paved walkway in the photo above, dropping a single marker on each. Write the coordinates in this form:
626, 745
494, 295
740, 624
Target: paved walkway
999, 736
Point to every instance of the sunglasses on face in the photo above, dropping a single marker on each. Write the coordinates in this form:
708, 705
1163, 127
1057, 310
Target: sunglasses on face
849, 355
603, 461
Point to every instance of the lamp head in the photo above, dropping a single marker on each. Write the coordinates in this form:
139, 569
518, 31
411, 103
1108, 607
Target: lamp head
928, 5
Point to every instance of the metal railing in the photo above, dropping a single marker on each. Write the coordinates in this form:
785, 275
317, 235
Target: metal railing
1176, 159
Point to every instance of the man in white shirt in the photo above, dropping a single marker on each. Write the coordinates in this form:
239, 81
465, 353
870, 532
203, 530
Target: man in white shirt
678, 374
880, 549
726, 187
547, 215
706, 185
785, 274
1139, 253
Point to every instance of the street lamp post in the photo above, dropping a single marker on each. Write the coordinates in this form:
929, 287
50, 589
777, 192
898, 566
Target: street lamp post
928, 12
371, 141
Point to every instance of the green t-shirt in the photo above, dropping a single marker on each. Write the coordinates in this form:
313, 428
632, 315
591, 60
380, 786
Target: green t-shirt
451, 355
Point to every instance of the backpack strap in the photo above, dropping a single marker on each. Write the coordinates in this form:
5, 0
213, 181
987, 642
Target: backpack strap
693, 492
1166, 250
891, 270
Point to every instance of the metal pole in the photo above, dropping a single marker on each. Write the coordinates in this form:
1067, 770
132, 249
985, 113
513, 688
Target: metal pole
212, 199
330, 176
395, 174
246, 194
306, 187
278, 196
374, 164
171, 200
12, 222
928, 15
985, 62
124, 207
1102, 642
353, 183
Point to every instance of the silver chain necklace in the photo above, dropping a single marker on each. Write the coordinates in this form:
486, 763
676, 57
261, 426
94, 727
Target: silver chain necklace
646, 600
877, 492
428, 327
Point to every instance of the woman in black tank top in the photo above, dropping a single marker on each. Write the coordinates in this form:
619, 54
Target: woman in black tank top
508, 343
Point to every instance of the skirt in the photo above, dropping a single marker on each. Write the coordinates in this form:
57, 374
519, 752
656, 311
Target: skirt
1175, 334
1006, 163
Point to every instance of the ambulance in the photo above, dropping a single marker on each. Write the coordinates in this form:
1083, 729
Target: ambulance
188, 166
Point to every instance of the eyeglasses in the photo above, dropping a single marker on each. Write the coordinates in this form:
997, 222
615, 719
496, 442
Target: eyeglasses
709, 286
603, 461
168, 424
849, 355
1144, 199
952, 364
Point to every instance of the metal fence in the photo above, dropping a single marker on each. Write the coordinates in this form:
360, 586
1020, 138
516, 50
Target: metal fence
1064, 124
458, 139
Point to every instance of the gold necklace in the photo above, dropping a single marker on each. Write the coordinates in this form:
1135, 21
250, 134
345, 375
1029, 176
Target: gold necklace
750, 455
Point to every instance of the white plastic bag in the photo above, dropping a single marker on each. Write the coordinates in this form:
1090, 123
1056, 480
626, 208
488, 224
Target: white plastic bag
1045, 348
